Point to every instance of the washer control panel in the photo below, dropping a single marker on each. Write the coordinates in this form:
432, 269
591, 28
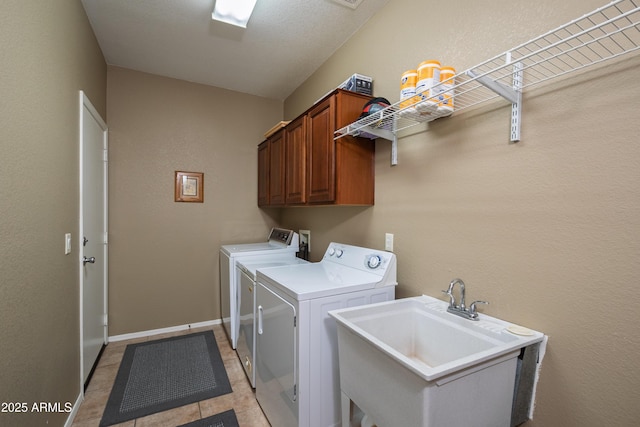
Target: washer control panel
364, 259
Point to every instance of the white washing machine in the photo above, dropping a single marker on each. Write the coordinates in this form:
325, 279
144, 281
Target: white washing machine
297, 370
246, 272
279, 242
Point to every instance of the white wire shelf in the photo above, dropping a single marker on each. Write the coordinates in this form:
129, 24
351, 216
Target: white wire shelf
603, 34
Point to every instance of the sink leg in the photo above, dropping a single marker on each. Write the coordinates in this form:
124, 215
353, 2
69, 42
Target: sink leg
346, 410
352, 415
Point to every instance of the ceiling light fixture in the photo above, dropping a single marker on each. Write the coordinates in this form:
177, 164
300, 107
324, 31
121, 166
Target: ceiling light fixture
234, 12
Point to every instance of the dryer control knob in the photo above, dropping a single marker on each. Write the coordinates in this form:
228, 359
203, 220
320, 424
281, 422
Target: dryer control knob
339, 253
331, 251
374, 261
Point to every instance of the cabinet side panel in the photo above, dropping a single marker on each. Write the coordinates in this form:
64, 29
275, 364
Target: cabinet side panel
355, 157
355, 169
276, 169
349, 106
263, 174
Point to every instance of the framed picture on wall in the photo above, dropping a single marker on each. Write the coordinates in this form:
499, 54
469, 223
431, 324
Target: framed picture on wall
189, 187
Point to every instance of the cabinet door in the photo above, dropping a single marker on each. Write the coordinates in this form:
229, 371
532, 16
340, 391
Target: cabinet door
296, 161
276, 169
321, 175
263, 174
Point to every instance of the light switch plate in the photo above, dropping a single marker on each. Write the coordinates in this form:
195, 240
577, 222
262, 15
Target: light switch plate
388, 242
67, 243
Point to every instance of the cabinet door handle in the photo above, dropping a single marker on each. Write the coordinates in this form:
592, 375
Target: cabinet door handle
260, 320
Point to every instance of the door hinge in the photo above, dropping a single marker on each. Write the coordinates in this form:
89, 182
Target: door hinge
105, 320
295, 319
105, 155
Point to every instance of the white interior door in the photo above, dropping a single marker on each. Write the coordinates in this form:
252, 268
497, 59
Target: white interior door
93, 235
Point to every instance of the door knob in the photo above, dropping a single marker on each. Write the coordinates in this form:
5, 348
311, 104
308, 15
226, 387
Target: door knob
86, 260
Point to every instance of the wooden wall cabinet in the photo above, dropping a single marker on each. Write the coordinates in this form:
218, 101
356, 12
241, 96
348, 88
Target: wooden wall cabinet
308, 167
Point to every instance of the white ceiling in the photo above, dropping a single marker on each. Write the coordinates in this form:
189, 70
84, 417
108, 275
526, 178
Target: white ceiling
283, 44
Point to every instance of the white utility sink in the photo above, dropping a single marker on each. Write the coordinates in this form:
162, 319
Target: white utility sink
411, 362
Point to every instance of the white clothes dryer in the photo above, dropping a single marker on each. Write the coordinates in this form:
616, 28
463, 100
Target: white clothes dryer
297, 369
279, 242
247, 269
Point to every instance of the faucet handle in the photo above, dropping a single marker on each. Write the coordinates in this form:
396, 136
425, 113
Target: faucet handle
472, 307
452, 299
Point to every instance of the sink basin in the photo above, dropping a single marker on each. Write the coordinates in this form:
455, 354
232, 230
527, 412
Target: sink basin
421, 335
412, 358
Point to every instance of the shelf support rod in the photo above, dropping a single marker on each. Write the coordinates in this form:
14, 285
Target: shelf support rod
394, 151
394, 143
516, 107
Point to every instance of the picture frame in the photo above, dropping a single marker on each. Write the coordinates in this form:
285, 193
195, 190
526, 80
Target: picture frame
189, 187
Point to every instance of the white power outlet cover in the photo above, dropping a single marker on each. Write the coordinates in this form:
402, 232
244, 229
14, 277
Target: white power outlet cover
388, 242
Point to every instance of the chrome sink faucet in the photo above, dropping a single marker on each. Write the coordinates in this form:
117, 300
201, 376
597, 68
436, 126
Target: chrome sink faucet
461, 309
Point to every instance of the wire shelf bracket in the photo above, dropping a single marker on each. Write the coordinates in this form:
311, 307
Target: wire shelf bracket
512, 94
608, 32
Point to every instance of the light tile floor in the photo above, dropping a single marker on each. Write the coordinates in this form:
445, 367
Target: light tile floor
242, 400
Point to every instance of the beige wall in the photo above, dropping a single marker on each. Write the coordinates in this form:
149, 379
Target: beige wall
163, 268
48, 53
547, 230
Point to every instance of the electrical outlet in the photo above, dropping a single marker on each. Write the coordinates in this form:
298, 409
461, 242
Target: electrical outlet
388, 242
305, 237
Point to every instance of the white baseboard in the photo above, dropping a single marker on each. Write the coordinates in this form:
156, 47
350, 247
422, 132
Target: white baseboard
74, 411
170, 329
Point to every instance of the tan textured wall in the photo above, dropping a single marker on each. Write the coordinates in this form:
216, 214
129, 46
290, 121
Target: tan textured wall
163, 267
47, 54
547, 230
